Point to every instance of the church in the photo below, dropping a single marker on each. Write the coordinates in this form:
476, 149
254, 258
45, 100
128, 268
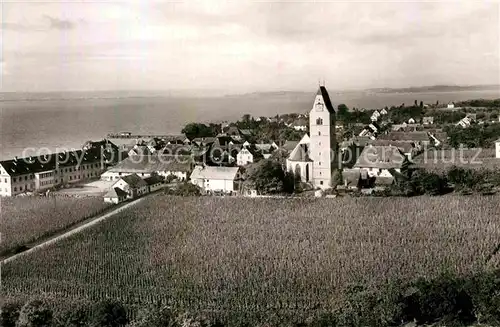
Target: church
314, 158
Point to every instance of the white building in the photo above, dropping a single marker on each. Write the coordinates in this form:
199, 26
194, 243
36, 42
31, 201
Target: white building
300, 124
244, 157
133, 185
314, 158
21, 175
115, 196
222, 179
377, 161
451, 105
497, 148
164, 165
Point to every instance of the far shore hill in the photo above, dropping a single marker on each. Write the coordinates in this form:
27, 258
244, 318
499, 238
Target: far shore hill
81, 95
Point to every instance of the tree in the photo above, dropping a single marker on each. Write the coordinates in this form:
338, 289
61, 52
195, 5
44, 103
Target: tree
9, 312
154, 317
267, 177
109, 313
35, 313
343, 113
75, 316
194, 130
421, 104
187, 189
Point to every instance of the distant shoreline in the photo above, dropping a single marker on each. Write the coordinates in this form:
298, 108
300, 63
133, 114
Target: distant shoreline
118, 95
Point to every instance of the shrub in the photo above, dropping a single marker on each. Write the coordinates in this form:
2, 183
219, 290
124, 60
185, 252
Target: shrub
9, 312
35, 313
109, 313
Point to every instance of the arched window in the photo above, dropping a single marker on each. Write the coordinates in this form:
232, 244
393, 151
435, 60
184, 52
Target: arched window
319, 121
319, 132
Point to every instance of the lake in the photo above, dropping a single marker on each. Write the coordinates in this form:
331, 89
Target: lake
67, 124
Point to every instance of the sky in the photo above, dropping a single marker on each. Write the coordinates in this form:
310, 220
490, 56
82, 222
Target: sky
243, 46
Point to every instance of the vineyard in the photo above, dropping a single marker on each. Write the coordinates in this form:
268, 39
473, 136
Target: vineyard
25, 219
252, 254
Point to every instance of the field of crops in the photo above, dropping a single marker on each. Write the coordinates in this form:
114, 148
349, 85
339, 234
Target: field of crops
24, 219
234, 253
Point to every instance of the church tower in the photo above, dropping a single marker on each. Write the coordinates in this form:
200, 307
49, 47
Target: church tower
323, 143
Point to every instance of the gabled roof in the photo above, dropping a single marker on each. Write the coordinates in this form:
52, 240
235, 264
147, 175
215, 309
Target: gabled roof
326, 98
176, 149
115, 192
300, 153
134, 180
289, 145
154, 163
246, 132
105, 143
381, 157
219, 173
405, 136
405, 146
141, 150
36, 164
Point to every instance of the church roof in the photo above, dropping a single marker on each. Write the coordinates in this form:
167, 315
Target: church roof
300, 153
326, 98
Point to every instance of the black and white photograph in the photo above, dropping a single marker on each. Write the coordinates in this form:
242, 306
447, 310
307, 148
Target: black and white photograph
224, 163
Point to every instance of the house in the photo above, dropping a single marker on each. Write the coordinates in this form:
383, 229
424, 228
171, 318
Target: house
497, 149
154, 182
409, 148
288, 146
374, 117
464, 122
350, 178
234, 133
176, 139
40, 173
377, 160
411, 121
383, 112
450, 105
164, 165
244, 157
246, 133
300, 124
133, 185
266, 149
428, 120
419, 137
115, 195
471, 116
216, 179
384, 180
203, 141
141, 150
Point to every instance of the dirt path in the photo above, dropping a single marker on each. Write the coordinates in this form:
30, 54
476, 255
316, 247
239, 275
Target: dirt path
72, 230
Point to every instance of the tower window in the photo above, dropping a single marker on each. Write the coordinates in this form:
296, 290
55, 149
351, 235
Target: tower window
320, 182
319, 121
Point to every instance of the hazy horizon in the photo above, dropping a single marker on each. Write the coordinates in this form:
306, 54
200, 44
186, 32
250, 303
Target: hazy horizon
247, 47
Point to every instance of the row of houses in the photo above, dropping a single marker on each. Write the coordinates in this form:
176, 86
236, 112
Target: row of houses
43, 172
132, 186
